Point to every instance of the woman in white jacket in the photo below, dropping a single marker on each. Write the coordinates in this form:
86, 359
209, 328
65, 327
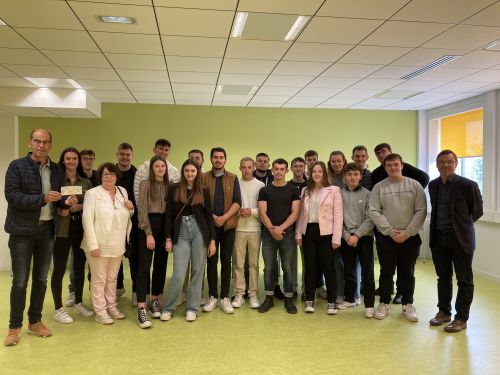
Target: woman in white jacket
106, 224
319, 231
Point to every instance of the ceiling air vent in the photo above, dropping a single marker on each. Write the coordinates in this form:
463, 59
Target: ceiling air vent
433, 65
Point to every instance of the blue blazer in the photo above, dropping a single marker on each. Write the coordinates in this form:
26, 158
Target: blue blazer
466, 208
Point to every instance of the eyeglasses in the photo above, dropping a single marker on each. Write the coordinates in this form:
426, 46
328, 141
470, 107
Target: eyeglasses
109, 174
87, 158
39, 142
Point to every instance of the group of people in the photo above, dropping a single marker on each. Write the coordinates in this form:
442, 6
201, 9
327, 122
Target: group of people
329, 213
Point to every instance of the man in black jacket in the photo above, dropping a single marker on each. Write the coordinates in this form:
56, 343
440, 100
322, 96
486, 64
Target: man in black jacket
32, 191
456, 204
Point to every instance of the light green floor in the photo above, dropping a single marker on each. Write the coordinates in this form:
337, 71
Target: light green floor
273, 343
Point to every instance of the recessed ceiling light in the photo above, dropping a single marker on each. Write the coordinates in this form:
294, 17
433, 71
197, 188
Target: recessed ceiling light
117, 19
433, 65
2, 23
297, 26
239, 24
54, 82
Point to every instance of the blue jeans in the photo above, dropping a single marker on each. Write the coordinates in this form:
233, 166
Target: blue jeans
38, 246
270, 248
189, 247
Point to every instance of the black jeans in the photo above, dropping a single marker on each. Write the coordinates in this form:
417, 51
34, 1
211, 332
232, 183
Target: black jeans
363, 251
319, 256
38, 246
145, 259
400, 255
60, 256
446, 255
224, 242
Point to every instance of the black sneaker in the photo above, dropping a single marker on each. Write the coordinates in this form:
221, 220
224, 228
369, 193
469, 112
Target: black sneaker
278, 293
290, 306
397, 299
154, 308
142, 318
267, 305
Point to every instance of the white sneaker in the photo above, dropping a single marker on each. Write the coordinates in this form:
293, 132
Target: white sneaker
165, 316
70, 302
114, 313
331, 308
81, 309
61, 316
369, 312
190, 316
142, 318
104, 318
120, 292
254, 302
410, 312
346, 305
357, 301
321, 292
309, 308
238, 300
210, 305
225, 305
134, 299
382, 311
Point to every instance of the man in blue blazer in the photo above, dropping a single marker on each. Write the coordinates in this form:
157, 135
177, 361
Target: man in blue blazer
456, 204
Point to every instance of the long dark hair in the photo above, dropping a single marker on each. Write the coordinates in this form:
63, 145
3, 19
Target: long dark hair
196, 193
79, 167
311, 185
152, 178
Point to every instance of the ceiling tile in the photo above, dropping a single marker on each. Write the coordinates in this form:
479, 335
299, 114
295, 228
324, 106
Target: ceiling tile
128, 43
300, 68
9, 38
317, 52
373, 55
77, 59
14, 82
317, 91
128, 61
193, 77
274, 99
413, 85
465, 37
404, 34
392, 71
292, 81
248, 66
111, 94
446, 11
140, 95
376, 83
102, 85
194, 64
477, 59
242, 79
198, 4
301, 7
423, 56
117, 100
65, 40
87, 12
21, 56
37, 71
375, 102
138, 75
445, 74
333, 82
351, 70
487, 17
157, 101
92, 73
131, 2
41, 14
5, 73
256, 49
338, 30
340, 102
486, 76
277, 90
148, 86
380, 9
194, 22
193, 88
357, 93
456, 87
193, 46
255, 104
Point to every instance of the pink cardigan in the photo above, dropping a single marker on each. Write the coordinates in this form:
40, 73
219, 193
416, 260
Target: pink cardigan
330, 217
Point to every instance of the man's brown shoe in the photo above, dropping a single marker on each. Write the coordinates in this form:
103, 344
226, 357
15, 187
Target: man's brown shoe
39, 330
13, 337
440, 318
456, 326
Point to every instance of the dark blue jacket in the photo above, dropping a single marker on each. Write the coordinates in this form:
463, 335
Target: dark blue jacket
23, 192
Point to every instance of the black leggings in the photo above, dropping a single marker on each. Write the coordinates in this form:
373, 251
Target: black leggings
145, 258
60, 256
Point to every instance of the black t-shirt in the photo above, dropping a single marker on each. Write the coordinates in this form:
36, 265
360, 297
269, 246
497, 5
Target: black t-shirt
279, 201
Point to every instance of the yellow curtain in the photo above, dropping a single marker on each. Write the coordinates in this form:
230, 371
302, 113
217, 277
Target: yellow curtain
463, 133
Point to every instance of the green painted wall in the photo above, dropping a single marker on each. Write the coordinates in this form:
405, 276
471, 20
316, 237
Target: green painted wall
241, 131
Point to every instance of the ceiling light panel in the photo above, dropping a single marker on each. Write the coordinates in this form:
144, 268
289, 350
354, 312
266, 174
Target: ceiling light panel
265, 26
2, 23
117, 19
194, 22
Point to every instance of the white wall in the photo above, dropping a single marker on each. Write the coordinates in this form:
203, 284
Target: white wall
8, 152
487, 255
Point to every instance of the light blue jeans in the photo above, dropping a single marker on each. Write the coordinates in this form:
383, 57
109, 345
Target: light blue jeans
189, 247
